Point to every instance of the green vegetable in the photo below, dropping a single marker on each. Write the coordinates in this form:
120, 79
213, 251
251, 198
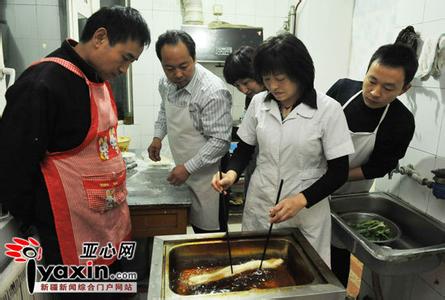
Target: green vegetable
373, 230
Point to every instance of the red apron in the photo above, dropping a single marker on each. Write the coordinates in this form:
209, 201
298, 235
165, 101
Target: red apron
86, 185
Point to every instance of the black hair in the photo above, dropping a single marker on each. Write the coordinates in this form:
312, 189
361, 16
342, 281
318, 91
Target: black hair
239, 65
122, 24
173, 37
408, 37
397, 56
285, 53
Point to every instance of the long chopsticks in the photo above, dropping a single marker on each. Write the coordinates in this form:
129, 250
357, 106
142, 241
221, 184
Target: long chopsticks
226, 217
270, 227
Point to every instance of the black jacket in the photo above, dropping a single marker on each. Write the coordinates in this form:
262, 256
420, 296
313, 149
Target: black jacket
48, 110
393, 136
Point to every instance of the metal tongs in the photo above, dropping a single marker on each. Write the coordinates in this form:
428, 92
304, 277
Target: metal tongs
270, 227
226, 216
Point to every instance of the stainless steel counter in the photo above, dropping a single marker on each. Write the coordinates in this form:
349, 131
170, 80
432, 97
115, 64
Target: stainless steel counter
156, 207
147, 185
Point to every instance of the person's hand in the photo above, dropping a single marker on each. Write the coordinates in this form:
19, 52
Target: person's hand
178, 175
287, 208
154, 150
227, 180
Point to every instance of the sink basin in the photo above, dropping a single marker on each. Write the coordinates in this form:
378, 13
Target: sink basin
419, 248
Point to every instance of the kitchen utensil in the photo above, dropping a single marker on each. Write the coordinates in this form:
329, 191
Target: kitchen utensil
123, 142
129, 157
303, 274
270, 227
440, 173
227, 225
439, 190
439, 180
353, 218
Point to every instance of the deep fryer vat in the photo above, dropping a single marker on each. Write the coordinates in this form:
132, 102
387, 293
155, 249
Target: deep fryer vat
172, 253
214, 254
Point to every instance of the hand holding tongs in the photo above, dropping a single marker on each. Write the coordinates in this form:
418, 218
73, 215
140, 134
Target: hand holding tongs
270, 227
226, 215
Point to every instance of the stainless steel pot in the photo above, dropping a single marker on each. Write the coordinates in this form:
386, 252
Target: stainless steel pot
354, 218
312, 279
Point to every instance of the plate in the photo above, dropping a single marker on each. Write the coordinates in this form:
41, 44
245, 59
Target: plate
352, 218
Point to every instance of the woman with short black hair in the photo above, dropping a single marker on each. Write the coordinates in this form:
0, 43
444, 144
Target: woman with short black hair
303, 140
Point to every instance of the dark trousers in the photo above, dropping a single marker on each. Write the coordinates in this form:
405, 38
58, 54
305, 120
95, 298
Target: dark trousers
340, 264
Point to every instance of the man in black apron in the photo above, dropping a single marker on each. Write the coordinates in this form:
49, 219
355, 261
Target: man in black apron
381, 126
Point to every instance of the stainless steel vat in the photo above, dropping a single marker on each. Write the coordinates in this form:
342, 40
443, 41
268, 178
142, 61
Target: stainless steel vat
171, 254
419, 248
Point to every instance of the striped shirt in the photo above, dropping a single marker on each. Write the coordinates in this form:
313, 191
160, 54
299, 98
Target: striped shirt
209, 103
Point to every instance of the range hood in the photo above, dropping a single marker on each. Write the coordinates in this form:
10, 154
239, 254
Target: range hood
214, 44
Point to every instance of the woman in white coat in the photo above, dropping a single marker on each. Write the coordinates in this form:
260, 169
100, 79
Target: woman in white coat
303, 139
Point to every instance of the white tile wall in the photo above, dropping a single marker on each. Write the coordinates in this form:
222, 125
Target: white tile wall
409, 12
142, 4
24, 2
32, 31
410, 191
441, 146
428, 116
164, 15
325, 28
266, 9
229, 6
27, 22
49, 27
390, 186
426, 100
165, 5
434, 10
143, 89
246, 7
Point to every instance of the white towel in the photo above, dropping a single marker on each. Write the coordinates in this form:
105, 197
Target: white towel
439, 60
430, 50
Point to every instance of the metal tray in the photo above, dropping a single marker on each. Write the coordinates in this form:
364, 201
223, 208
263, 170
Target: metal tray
353, 218
173, 254
214, 254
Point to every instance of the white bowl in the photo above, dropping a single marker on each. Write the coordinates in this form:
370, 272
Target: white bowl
129, 157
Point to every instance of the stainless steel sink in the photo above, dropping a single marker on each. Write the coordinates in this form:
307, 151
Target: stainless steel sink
420, 247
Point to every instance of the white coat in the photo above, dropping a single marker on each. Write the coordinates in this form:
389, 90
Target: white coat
295, 150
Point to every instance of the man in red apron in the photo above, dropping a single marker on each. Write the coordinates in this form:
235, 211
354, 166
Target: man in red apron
61, 171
